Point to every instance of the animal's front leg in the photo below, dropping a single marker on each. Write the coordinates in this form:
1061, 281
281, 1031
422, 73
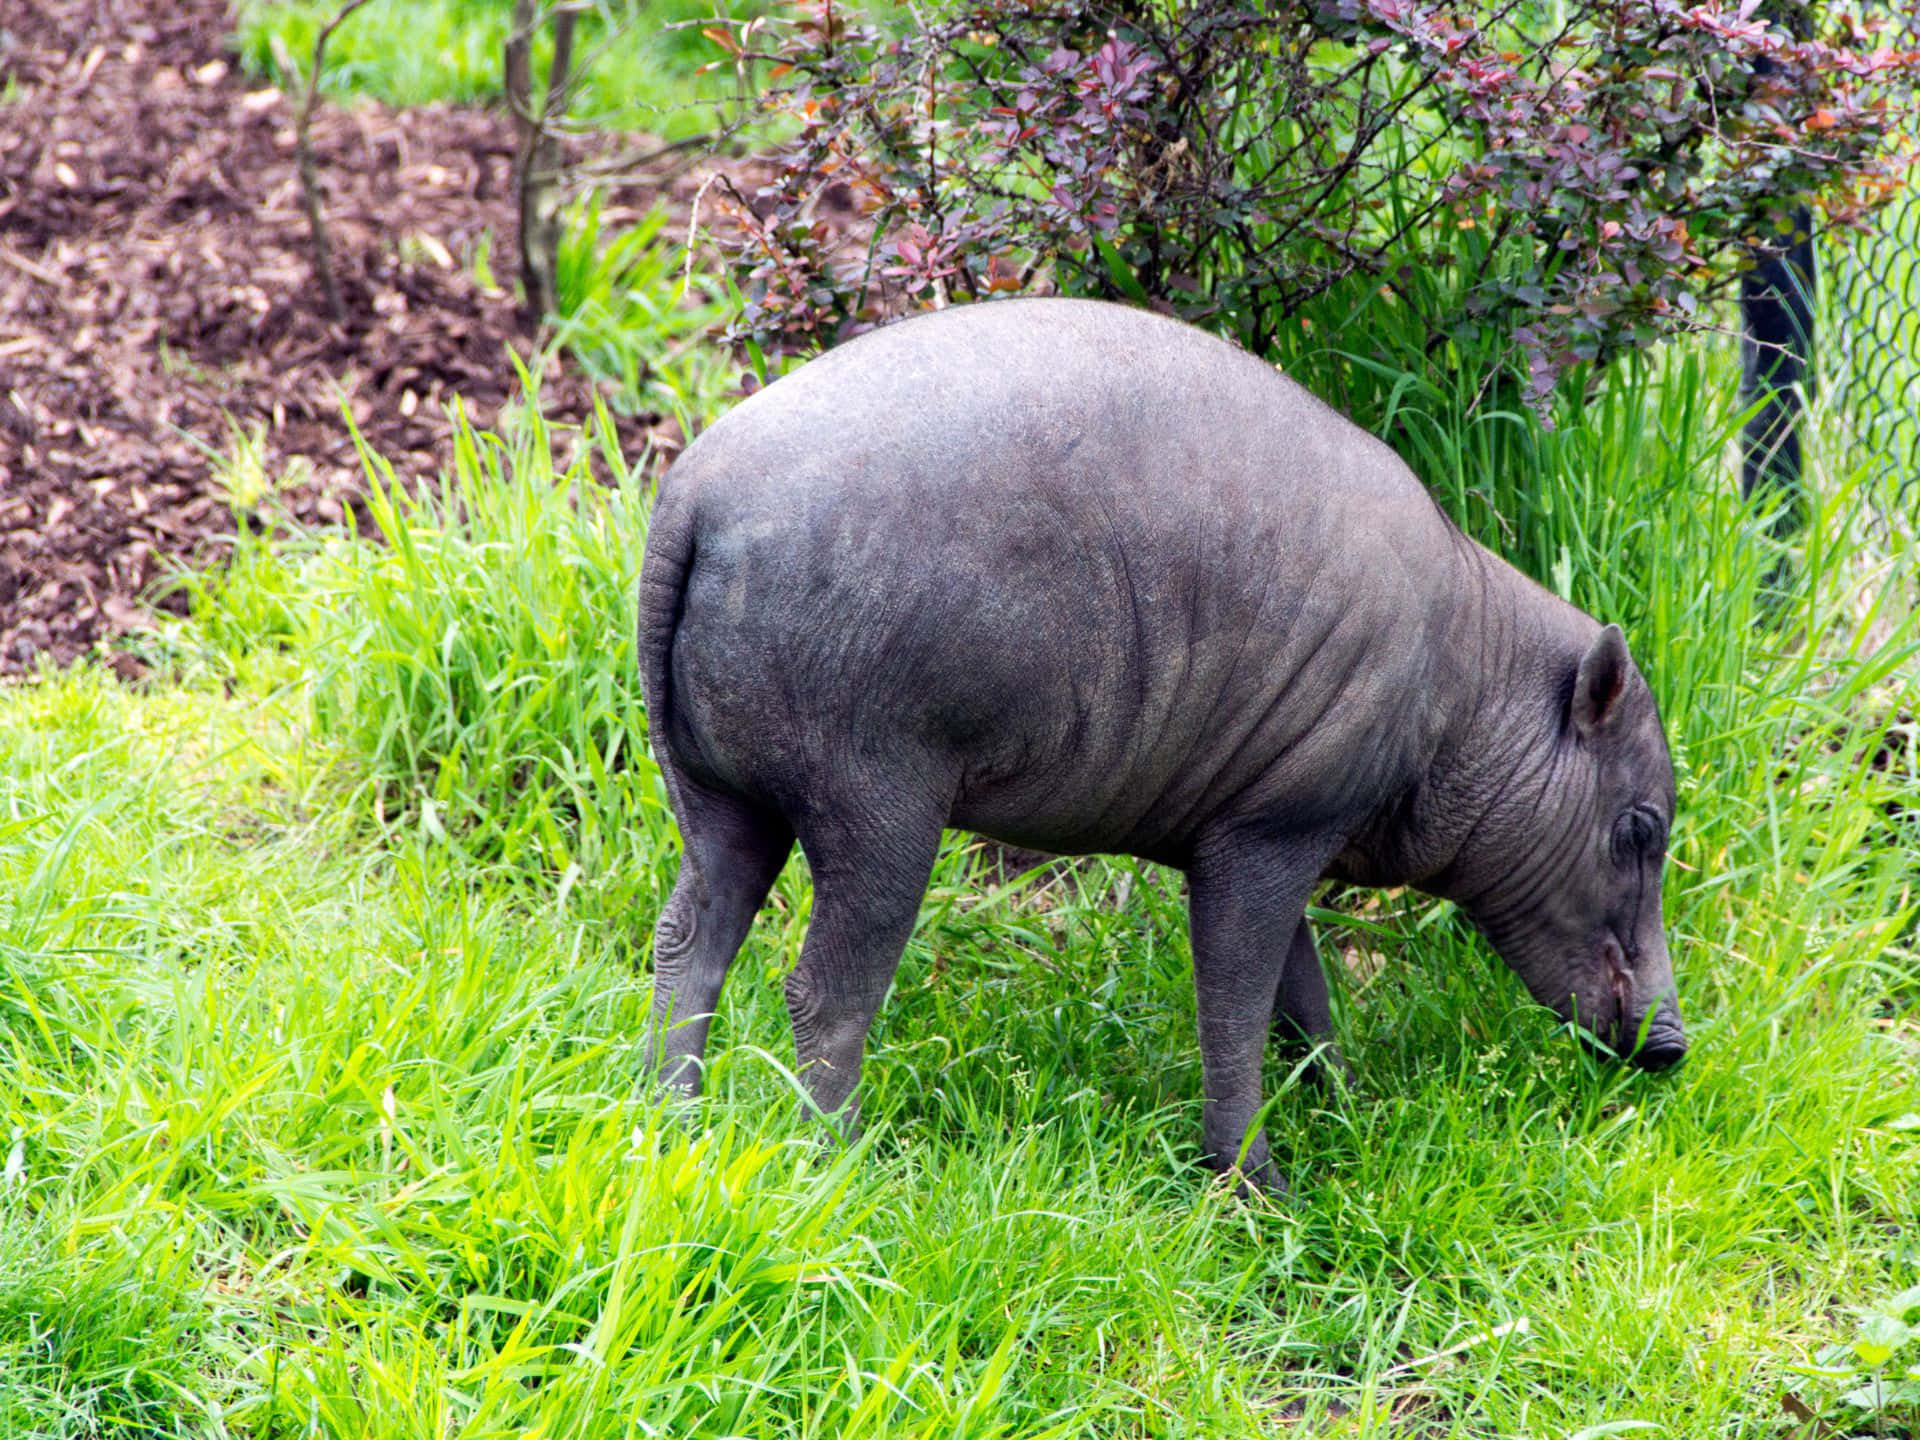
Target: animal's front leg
1248, 891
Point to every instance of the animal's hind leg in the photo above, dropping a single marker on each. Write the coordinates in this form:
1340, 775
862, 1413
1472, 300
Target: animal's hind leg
869, 875
1302, 1014
734, 851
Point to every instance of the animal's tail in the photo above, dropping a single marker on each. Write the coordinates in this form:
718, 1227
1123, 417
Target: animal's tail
663, 595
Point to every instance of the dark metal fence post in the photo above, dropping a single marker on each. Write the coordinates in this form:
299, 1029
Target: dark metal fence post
1776, 372
1776, 345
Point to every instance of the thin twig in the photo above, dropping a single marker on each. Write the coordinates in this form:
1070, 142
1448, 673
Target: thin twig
1522, 1326
620, 166
29, 267
309, 172
693, 233
538, 162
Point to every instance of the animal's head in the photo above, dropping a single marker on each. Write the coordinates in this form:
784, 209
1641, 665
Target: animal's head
1563, 874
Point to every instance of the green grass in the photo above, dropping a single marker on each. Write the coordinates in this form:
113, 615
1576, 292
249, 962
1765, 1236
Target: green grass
645, 74
323, 962
633, 315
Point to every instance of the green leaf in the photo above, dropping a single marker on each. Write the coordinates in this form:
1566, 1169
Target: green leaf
1121, 273
1879, 1339
1902, 1304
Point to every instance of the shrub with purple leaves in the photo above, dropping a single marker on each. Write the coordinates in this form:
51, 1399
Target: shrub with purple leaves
1579, 177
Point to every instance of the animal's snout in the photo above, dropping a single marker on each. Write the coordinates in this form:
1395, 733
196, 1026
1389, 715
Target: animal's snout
1665, 1043
1660, 1046
1663, 1049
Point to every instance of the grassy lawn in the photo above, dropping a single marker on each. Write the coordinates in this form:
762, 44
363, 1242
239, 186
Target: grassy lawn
645, 58
323, 961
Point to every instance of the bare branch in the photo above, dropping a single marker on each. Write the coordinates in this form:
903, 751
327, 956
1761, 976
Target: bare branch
309, 172
537, 157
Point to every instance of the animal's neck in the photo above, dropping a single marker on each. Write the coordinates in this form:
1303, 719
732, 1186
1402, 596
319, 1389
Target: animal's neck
1502, 660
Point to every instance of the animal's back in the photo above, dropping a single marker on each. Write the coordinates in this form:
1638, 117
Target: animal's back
1027, 388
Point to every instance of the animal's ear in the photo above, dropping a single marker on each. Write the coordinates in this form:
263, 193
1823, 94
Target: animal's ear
1601, 681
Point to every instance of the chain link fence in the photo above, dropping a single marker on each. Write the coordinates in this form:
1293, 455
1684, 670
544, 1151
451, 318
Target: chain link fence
1869, 353
1872, 364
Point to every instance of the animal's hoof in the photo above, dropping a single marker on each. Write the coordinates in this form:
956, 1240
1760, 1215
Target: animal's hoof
677, 1105
1263, 1182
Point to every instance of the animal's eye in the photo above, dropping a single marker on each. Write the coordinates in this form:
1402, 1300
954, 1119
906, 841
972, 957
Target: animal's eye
1638, 834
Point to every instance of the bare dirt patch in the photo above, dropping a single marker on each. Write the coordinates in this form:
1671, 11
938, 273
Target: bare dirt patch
156, 290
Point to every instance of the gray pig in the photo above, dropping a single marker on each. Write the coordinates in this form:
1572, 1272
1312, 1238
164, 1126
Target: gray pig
1084, 579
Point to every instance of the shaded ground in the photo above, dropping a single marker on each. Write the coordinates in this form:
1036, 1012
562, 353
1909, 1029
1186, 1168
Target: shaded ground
157, 298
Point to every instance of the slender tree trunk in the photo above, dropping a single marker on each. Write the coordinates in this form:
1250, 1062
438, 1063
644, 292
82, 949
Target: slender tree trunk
309, 171
537, 156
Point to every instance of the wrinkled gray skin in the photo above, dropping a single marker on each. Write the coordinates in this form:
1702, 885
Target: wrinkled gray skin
1084, 579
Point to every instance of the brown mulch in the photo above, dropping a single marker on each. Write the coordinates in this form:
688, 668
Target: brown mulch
157, 298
